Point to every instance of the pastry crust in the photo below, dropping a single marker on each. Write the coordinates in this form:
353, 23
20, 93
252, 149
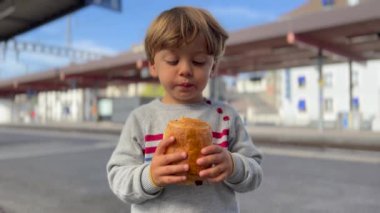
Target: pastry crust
191, 135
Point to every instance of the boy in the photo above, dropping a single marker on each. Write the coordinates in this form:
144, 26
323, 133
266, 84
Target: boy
183, 46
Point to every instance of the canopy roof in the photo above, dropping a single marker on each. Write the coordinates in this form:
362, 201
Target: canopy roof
19, 16
349, 33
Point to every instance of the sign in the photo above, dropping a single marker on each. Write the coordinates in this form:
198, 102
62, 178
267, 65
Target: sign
110, 4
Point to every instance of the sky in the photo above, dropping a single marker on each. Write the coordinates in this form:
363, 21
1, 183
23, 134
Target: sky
109, 32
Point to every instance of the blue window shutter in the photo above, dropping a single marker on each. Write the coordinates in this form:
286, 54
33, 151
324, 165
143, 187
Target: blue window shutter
355, 103
301, 81
327, 2
302, 105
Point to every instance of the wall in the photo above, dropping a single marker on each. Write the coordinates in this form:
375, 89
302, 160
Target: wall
60, 106
5, 110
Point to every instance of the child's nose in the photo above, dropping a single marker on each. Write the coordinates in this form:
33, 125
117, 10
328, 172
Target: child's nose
185, 69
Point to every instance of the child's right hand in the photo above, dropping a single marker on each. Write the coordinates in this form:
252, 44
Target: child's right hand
163, 169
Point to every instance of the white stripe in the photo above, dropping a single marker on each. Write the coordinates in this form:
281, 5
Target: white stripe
149, 155
219, 140
321, 155
38, 153
56, 133
152, 143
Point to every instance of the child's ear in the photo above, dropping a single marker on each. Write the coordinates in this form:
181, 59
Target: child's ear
152, 70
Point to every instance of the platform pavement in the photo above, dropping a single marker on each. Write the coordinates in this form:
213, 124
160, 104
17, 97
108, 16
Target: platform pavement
262, 135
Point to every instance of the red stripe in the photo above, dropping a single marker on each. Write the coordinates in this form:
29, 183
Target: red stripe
150, 150
224, 144
154, 137
220, 134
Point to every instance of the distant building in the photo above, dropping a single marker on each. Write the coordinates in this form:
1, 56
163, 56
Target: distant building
299, 96
312, 6
256, 97
5, 111
290, 96
55, 106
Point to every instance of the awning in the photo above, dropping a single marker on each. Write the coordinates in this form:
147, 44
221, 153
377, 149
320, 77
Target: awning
19, 16
350, 33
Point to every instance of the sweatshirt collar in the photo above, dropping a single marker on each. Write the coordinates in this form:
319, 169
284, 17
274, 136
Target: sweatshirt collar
158, 102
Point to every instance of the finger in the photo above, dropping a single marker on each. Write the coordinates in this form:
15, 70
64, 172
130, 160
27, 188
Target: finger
212, 149
210, 160
218, 178
172, 158
164, 144
173, 170
172, 179
212, 172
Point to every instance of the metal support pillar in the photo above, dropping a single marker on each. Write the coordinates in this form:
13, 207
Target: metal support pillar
320, 90
351, 86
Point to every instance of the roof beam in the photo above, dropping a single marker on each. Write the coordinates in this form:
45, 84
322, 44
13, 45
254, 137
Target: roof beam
336, 49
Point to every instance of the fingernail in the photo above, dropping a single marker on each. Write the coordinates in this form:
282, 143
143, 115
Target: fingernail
186, 167
184, 155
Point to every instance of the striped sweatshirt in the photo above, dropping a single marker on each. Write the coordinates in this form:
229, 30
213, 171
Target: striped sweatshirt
129, 165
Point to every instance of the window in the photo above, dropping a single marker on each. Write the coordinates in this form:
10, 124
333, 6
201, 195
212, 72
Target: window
355, 103
302, 105
328, 79
328, 105
256, 79
355, 78
301, 81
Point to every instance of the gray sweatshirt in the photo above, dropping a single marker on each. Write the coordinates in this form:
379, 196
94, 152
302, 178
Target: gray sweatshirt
129, 166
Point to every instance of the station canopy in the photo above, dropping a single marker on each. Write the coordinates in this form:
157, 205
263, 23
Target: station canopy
340, 35
19, 16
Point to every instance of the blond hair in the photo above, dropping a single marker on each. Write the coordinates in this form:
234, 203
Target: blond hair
181, 25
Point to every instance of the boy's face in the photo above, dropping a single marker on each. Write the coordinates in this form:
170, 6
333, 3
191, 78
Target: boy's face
183, 72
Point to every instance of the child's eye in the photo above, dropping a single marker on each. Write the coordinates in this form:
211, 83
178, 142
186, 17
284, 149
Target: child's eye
199, 63
173, 62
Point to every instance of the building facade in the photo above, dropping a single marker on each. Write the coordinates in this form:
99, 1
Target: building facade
299, 95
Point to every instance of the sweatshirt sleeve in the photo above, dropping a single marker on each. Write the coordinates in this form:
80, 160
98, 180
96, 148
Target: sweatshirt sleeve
128, 175
247, 172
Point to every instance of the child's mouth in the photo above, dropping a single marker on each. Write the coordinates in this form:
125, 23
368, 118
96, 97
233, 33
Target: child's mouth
186, 85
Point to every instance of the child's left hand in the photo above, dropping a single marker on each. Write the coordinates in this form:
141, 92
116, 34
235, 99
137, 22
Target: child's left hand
218, 162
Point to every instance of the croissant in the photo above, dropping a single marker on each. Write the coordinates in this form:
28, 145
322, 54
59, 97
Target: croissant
191, 135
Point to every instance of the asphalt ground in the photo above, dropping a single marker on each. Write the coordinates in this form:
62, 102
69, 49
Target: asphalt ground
59, 171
